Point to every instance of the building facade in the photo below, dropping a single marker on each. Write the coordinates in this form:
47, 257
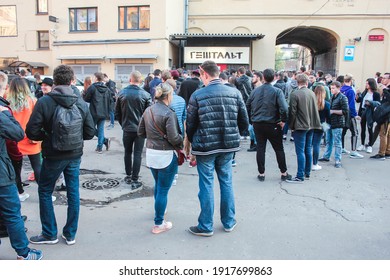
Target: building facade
115, 37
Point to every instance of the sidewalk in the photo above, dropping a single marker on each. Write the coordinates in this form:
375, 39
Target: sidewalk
338, 214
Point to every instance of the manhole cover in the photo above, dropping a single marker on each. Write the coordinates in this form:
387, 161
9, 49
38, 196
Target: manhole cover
100, 184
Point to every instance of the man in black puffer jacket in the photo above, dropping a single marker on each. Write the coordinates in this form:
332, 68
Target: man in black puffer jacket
55, 161
216, 117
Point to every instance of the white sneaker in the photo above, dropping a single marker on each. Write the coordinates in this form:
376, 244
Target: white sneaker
345, 151
361, 148
369, 149
165, 226
316, 167
23, 196
53, 198
174, 182
355, 154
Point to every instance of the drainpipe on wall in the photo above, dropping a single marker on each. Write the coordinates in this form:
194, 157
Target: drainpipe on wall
185, 16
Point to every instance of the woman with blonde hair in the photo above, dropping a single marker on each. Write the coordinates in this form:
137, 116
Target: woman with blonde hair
160, 127
324, 111
22, 103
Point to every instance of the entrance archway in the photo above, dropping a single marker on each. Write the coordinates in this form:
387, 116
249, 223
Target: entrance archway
322, 44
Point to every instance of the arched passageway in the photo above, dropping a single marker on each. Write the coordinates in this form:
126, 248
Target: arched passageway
321, 43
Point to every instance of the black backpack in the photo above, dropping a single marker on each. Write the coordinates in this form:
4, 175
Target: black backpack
67, 128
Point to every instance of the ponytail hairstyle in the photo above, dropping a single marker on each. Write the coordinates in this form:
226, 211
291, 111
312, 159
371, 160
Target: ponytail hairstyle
164, 91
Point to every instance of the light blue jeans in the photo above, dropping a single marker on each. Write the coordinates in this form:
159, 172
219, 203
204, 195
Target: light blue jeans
333, 138
163, 179
222, 164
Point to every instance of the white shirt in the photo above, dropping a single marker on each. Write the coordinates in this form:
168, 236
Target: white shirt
368, 97
158, 159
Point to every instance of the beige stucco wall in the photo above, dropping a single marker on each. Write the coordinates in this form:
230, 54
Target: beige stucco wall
166, 17
344, 19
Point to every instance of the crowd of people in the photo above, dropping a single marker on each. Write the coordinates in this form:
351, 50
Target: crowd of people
203, 113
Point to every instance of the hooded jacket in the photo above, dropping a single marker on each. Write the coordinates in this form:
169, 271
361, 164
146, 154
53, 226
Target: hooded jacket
100, 98
39, 127
349, 92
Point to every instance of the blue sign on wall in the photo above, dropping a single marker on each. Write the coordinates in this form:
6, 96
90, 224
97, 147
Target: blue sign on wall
349, 53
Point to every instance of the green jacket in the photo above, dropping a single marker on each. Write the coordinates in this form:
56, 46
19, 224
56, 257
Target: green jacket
303, 111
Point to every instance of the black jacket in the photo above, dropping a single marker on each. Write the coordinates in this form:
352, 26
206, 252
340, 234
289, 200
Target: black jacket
100, 99
39, 127
165, 119
188, 87
339, 102
267, 104
216, 116
244, 85
9, 129
131, 104
376, 97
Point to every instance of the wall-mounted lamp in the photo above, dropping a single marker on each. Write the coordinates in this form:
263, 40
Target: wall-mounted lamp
357, 39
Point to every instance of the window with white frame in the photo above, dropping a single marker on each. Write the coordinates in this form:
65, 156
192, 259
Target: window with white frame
122, 71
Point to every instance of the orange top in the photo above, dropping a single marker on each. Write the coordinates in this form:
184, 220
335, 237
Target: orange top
26, 146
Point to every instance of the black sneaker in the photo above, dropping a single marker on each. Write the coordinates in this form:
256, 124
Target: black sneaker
378, 156
99, 150
41, 239
286, 177
194, 230
128, 180
307, 177
136, 185
107, 143
323, 159
61, 188
252, 149
387, 156
295, 180
261, 178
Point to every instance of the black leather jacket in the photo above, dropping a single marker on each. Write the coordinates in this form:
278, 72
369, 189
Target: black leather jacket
131, 104
267, 104
165, 119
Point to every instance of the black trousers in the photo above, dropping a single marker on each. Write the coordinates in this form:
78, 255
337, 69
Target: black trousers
370, 128
132, 140
274, 134
354, 134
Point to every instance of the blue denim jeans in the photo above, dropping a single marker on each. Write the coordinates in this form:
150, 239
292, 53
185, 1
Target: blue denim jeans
100, 132
11, 218
221, 163
303, 140
112, 117
333, 138
51, 170
163, 179
252, 134
317, 137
